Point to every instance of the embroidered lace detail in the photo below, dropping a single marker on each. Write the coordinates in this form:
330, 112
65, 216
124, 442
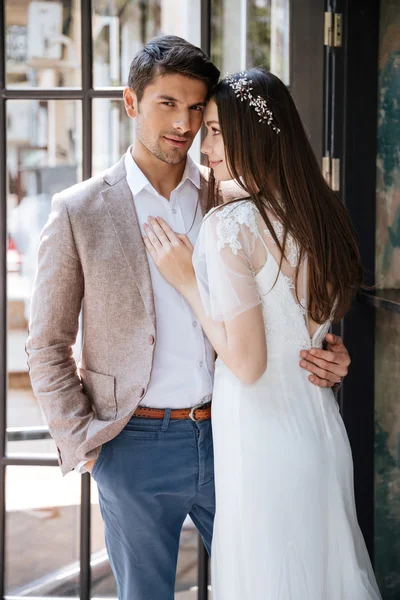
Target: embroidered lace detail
285, 320
303, 310
291, 245
302, 306
230, 218
289, 281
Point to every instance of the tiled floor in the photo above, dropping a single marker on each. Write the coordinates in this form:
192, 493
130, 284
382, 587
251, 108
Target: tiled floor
191, 595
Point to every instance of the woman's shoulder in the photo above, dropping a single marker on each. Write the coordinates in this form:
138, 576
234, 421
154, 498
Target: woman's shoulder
242, 211
232, 221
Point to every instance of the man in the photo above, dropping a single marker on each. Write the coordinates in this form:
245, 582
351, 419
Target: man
137, 412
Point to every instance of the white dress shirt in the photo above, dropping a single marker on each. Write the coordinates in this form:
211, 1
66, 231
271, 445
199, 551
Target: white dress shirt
183, 365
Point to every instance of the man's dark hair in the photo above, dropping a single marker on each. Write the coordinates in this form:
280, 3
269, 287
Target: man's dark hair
170, 54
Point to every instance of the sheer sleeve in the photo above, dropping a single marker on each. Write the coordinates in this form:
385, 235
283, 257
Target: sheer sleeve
225, 260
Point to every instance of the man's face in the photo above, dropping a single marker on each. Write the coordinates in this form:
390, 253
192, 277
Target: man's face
168, 116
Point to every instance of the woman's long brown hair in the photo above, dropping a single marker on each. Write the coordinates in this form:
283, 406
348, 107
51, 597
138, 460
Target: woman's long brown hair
280, 173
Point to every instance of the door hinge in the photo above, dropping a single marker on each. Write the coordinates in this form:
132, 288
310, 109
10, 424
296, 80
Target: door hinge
333, 29
331, 172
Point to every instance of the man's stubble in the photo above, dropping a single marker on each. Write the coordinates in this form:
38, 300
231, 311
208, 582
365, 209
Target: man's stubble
172, 157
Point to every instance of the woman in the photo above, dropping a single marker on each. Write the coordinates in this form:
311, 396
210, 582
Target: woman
271, 273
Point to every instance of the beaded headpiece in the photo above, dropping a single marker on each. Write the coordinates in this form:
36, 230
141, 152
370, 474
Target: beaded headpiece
243, 90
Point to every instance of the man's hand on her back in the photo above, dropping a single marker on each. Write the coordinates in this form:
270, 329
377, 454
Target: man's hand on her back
327, 367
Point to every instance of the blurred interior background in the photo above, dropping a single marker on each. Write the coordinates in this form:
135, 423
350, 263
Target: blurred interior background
62, 119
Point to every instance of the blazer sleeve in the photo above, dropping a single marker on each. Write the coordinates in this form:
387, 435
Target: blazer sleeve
56, 303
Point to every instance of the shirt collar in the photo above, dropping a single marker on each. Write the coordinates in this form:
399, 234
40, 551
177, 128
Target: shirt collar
191, 172
137, 180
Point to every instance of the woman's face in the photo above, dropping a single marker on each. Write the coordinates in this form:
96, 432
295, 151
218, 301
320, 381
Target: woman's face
213, 144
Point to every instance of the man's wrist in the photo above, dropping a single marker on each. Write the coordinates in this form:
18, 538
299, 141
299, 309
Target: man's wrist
80, 467
187, 288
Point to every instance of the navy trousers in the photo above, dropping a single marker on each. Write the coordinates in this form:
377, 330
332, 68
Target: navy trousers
150, 477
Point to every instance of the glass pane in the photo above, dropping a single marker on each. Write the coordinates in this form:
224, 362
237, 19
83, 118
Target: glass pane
103, 582
251, 33
113, 137
31, 444
42, 532
387, 453
227, 25
43, 157
43, 44
121, 27
186, 574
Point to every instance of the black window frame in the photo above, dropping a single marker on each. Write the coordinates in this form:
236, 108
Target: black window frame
85, 94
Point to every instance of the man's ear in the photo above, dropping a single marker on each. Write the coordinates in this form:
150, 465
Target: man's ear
130, 101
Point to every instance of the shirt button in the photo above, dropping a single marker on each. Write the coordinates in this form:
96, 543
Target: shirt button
174, 211
151, 340
201, 363
194, 323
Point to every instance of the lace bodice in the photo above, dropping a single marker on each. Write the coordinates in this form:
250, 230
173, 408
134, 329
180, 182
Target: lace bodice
237, 263
229, 222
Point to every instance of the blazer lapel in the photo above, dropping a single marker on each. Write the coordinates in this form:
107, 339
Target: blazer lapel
119, 200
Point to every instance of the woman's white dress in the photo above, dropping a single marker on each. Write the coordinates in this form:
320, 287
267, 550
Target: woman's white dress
286, 525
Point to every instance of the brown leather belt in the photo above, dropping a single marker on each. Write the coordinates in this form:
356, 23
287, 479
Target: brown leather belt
201, 412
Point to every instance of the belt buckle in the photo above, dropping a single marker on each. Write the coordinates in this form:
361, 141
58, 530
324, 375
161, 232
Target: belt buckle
191, 412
